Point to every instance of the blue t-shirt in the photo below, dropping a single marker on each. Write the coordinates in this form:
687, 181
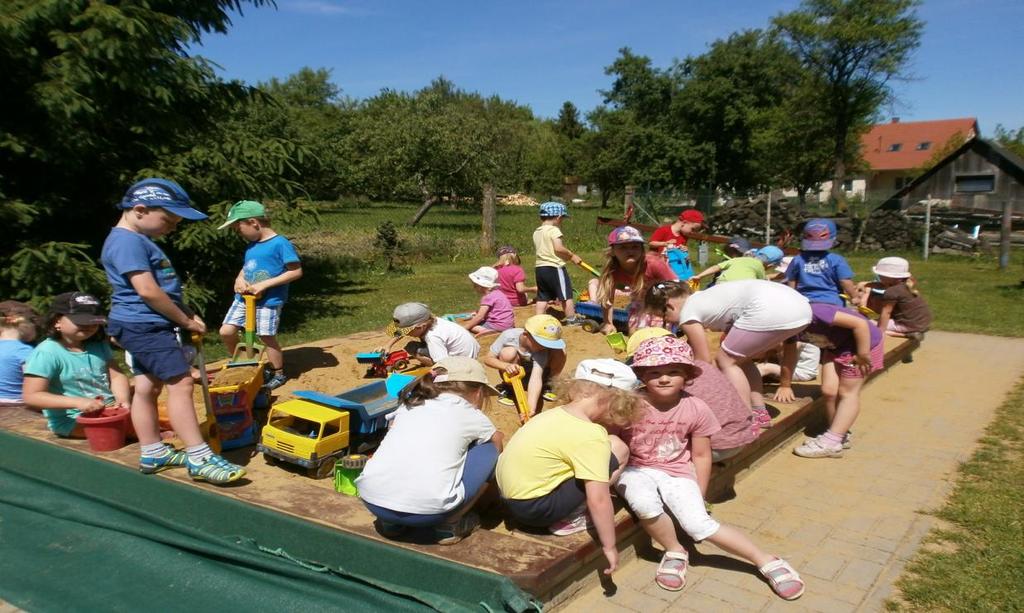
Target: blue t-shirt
266, 260
817, 275
125, 252
13, 354
835, 339
80, 374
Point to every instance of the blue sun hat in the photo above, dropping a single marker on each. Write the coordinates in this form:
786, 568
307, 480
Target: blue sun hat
819, 235
770, 255
554, 209
163, 193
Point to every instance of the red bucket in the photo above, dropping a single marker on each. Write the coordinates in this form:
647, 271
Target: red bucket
105, 430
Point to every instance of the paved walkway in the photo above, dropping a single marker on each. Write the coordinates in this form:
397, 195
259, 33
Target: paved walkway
848, 525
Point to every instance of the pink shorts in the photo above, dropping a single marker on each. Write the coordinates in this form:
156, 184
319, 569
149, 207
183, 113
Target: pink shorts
892, 326
846, 366
741, 343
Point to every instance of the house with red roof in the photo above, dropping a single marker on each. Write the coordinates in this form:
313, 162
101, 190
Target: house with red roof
895, 152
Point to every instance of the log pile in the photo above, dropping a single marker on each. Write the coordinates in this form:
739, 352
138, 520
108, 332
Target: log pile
517, 200
884, 230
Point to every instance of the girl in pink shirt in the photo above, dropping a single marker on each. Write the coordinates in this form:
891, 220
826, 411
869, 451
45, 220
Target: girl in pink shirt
511, 278
629, 265
670, 464
495, 312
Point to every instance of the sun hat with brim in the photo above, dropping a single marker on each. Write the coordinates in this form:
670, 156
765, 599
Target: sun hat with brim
546, 330
770, 255
893, 267
164, 194
625, 234
607, 372
458, 368
664, 351
485, 276
642, 335
819, 234
81, 308
554, 209
243, 209
739, 243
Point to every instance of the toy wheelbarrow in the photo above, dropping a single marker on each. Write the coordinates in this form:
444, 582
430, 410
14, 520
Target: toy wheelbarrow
249, 346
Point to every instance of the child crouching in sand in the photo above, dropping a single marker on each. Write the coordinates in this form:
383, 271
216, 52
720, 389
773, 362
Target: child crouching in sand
557, 469
670, 465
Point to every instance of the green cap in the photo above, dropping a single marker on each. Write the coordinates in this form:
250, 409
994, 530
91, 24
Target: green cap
243, 209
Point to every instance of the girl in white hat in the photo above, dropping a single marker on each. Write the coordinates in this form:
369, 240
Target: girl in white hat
495, 312
904, 312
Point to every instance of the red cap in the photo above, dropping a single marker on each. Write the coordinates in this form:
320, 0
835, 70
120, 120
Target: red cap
692, 216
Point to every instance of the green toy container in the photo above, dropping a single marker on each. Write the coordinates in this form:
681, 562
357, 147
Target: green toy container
345, 472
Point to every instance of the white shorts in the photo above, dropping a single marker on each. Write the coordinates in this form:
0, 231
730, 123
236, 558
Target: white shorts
267, 318
649, 490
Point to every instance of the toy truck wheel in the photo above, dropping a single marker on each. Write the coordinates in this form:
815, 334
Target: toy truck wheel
269, 459
400, 365
323, 470
591, 326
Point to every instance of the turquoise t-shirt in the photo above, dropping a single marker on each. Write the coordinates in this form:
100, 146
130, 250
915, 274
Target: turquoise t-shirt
80, 374
266, 260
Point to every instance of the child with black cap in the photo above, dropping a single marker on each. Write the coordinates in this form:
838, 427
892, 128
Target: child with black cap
73, 371
146, 307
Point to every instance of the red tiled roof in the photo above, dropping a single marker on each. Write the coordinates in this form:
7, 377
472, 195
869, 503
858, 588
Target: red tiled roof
876, 144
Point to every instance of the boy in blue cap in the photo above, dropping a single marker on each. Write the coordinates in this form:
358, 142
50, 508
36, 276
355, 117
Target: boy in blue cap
146, 306
816, 273
553, 282
270, 264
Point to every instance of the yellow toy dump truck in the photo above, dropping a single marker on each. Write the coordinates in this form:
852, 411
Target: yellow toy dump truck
313, 430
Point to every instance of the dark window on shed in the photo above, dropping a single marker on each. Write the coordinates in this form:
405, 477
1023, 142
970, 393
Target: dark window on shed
976, 183
895, 146
924, 145
848, 185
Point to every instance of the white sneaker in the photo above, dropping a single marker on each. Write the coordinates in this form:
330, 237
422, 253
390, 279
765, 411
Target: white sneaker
577, 521
818, 448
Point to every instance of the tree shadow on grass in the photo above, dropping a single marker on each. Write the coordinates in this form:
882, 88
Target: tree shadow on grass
324, 286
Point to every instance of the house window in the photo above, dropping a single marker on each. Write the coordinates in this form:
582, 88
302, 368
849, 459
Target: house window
848, 185
895, 147
901, 182
924, 145
976, 183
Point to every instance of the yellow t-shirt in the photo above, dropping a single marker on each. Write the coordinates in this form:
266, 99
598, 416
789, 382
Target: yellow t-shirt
544, 241
550, 448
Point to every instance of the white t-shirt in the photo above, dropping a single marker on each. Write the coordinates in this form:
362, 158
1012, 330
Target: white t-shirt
446, 338
418, 466
750, 304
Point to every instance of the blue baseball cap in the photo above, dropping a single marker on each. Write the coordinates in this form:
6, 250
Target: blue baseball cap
770, 255
161, 193
819, 234
554, 209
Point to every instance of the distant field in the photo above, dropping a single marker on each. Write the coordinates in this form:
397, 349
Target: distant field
346, 289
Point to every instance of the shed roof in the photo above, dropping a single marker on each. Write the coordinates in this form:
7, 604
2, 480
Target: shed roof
899, 145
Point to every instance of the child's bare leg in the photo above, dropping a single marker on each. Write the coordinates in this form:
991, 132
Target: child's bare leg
181, 411
733, 541
570, 309
592, 289
735, 374
274, 354
229, 336
830, 389
769, 369
542, 307
144, 411
847, 407
621, 452
754, 379
663, 531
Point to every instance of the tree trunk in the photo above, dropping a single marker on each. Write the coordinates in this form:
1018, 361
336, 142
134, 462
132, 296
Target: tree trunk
428, 201
801, 198
605, 195
838, 194
489, 215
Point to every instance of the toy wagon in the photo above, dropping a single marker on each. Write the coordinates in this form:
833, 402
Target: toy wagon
595, 317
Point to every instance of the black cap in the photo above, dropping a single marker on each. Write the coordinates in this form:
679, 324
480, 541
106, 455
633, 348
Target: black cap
81, 308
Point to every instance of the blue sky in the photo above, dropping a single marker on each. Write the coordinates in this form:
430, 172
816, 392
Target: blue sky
543, 53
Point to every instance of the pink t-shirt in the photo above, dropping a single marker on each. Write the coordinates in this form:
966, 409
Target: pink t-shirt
732, 413
508, 276
657, 269
500, 316
661, 439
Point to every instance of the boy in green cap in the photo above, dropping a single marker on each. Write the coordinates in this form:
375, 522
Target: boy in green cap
271, 263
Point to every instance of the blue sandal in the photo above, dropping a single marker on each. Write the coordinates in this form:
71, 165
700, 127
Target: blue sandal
173, 459
216, 470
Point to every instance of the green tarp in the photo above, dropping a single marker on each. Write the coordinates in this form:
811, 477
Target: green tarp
79, 533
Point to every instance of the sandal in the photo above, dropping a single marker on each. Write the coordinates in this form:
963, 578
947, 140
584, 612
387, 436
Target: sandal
784, 580
215, 470
149, 465
671, 573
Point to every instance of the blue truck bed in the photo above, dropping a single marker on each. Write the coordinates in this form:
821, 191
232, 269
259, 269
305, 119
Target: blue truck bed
592, 310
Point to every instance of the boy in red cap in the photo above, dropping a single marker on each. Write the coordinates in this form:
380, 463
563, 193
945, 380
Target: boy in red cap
669, 235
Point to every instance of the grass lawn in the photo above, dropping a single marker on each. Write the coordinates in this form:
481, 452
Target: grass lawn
976, 562
346, 289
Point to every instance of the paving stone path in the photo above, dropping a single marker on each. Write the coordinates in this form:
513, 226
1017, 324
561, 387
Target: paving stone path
848, 525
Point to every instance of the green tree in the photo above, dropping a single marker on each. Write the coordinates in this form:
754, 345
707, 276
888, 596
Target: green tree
854, 49
1011, 139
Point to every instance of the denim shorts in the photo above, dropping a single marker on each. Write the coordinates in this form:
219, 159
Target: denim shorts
155, 348
556, 504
